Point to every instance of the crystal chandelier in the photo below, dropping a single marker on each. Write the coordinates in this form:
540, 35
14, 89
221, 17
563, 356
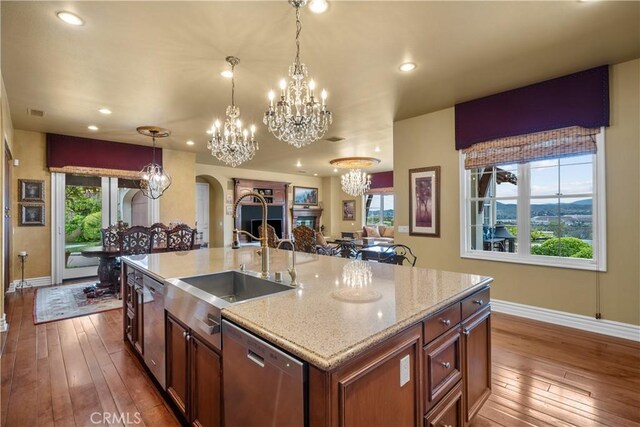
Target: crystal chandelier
355, 182
154, 180
232, 144
297, 117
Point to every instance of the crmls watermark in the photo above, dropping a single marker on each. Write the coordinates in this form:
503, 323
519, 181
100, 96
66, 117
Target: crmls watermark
115, 418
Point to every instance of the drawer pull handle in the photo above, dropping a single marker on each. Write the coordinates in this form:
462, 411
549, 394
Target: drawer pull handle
184, 334
445, 322
446, 365
478, 301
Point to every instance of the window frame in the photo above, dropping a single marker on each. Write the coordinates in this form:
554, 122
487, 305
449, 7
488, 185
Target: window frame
381, 194
523, 256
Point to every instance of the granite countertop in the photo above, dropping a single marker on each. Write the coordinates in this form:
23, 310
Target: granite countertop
341, 308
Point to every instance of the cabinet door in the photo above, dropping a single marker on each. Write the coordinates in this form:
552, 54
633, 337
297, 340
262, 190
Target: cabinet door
129, 326
206, 379
442, 366
447, 413
476, 370
177, 363
384, 388
138, 321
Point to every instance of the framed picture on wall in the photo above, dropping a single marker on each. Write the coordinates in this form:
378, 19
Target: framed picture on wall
424, 201
305, 196
31, 190
348, 210
31, 214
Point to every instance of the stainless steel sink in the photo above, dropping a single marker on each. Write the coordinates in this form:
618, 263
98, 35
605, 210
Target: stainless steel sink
233, 286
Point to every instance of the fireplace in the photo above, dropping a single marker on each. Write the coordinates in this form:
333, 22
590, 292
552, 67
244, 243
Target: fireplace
306, 216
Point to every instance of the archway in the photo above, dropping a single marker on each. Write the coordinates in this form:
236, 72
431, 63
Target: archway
216, 210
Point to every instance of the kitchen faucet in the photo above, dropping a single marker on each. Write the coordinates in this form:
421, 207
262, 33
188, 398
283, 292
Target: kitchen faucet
292, 269
263, 239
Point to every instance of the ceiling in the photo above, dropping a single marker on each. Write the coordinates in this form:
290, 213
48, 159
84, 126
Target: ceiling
158, 63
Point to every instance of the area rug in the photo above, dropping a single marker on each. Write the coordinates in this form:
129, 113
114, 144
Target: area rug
67, 301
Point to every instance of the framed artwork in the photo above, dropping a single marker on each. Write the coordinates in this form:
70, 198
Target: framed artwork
424, 201
348, 210
229, 210
31, 214
230, 198
305, 196
31, 190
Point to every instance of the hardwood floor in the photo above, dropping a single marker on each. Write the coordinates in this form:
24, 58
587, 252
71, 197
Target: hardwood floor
58, 374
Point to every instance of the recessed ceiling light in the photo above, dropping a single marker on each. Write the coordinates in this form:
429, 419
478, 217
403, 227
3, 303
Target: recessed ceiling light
227, 74
335, 170
408, 66
377, 149
298, 165
318, 6
70, 18
104, 111
92, 127
315, 174
209, 131
190, 142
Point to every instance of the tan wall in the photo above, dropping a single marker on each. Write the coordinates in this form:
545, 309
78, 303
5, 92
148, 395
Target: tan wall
334, 196
30, 149
225, 175
554, 288
6, 134
178, 203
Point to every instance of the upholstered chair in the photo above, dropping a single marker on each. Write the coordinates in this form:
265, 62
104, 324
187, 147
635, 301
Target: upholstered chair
305, 239
272, 237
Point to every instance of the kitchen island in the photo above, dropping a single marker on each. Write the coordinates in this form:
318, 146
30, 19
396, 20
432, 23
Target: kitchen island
378, 344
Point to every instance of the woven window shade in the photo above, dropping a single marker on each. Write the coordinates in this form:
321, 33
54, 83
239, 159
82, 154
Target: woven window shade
556, 143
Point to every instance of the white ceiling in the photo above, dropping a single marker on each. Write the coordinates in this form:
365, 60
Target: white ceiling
158, 63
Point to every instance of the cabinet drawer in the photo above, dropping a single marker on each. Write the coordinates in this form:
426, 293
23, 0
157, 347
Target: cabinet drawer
448, 412
443, 366
441, 322
475, 302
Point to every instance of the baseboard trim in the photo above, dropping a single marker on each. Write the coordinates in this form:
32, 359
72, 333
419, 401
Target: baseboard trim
3, 325
561, 318
34, 282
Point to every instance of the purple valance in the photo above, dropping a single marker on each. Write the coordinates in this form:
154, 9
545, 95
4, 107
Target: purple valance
72, 151
579, 99
382, 180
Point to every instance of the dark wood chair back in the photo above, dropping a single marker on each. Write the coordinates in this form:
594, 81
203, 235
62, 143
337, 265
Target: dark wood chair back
305, 239
398, 254
135, 241
272, 237
181, 238
159, 237
111, 238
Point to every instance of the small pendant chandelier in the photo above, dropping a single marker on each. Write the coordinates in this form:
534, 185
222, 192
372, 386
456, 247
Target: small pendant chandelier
232, 144
154, 180
356, 182
297, 117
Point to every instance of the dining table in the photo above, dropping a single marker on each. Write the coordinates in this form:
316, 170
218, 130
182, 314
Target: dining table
107, 268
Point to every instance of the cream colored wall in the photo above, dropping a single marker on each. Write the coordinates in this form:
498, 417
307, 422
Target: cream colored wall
334, 196
30, 149
225, 175
561, 289
178, 202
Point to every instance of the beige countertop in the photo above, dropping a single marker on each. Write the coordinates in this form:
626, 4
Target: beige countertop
341, 308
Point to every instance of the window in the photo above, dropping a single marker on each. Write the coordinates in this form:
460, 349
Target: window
547, 212
379, 209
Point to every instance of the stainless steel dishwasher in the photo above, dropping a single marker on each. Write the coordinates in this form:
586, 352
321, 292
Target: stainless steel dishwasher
263, 386
153, 324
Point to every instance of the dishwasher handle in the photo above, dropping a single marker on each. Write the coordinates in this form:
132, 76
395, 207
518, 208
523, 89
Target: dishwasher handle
255, 358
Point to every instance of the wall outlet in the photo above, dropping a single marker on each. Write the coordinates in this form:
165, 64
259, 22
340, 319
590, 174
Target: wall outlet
405, 370
403, 229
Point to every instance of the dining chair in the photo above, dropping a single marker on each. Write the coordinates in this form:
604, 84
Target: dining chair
135, 241
391, 254
181, 238
305, 239
159, 237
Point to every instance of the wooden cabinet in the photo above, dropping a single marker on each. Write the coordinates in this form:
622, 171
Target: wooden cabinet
476, 350
133, 302
177, 351
442, 366
193, 376
205, 387
448, 412
382, 388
